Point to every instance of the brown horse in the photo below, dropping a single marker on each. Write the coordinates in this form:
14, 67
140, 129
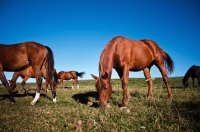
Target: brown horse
126, 55
63, 75
17, 57
29, 73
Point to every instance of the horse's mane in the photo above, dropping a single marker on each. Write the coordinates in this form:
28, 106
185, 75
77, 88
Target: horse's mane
188, 73
102, 56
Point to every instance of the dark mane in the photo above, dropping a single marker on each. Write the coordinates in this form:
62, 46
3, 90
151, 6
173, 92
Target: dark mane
189, 72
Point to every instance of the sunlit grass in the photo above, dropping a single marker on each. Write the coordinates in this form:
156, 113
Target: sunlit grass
182, 113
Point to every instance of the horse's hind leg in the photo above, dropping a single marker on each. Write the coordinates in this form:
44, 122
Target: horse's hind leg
77, 83
149, 82
61, 83
25, 90
38, 77
72, 83
46, 85
5, 83
53, 90
198, 78
165, 78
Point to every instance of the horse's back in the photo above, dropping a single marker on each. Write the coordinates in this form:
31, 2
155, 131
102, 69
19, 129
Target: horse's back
136, 54
196, 70
17, 57
66, 75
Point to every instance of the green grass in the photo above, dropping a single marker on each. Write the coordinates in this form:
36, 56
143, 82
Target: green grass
158, 114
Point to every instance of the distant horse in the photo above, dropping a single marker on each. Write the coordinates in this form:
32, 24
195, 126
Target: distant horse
126, 55
193, 72
17, 57
29, 73
63, 75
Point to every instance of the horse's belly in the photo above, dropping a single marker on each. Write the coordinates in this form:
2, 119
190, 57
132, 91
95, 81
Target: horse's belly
16, 65
140, 65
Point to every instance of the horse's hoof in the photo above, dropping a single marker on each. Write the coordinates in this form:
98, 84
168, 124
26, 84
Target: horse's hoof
54, 100
33, 103
122, 107
148, 97
170, 97
12, 103
107, 105
89, 103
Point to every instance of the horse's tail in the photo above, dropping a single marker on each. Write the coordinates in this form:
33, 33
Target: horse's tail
80, 74
49, 64
169, 64
55, 75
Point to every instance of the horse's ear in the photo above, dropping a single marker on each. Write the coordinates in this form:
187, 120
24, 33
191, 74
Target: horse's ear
95, 77
105, 76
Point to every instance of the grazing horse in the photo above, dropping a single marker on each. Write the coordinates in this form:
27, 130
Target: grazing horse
29, 73
193, 72
17, 57
126, 55
63, 75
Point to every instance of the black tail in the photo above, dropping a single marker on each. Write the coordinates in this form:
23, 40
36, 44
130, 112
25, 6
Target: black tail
80, 74
55, 76
49, 64
169, 64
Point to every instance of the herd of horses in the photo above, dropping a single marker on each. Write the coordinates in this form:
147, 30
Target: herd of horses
34, 60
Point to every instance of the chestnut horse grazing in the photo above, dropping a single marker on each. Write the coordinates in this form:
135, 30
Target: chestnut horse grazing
126, 55
17, 57
193, 72
63, 75
29, 73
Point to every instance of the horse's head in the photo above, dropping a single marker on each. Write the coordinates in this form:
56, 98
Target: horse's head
104, 88
185, 83
12, 84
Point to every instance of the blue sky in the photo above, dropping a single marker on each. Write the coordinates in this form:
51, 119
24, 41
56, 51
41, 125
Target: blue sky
78, 30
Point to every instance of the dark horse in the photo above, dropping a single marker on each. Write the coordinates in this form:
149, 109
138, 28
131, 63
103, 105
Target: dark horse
193, 72
63, 75
29, 73
126, 55
17, 57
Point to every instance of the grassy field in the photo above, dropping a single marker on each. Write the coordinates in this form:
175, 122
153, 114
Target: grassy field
158, 114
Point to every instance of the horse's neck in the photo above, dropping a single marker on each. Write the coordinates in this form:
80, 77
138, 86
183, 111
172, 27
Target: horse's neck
106, 61
188, 74
15, 76
106, 68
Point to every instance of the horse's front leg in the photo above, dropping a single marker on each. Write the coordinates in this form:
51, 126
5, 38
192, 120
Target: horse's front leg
5, 83
126, 93
38, 77
149, 82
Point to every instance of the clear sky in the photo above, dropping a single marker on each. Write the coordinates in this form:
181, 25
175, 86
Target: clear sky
78, 30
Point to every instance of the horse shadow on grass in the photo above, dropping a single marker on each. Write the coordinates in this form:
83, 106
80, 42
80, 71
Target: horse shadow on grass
84, 98
20, 95
189, 110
